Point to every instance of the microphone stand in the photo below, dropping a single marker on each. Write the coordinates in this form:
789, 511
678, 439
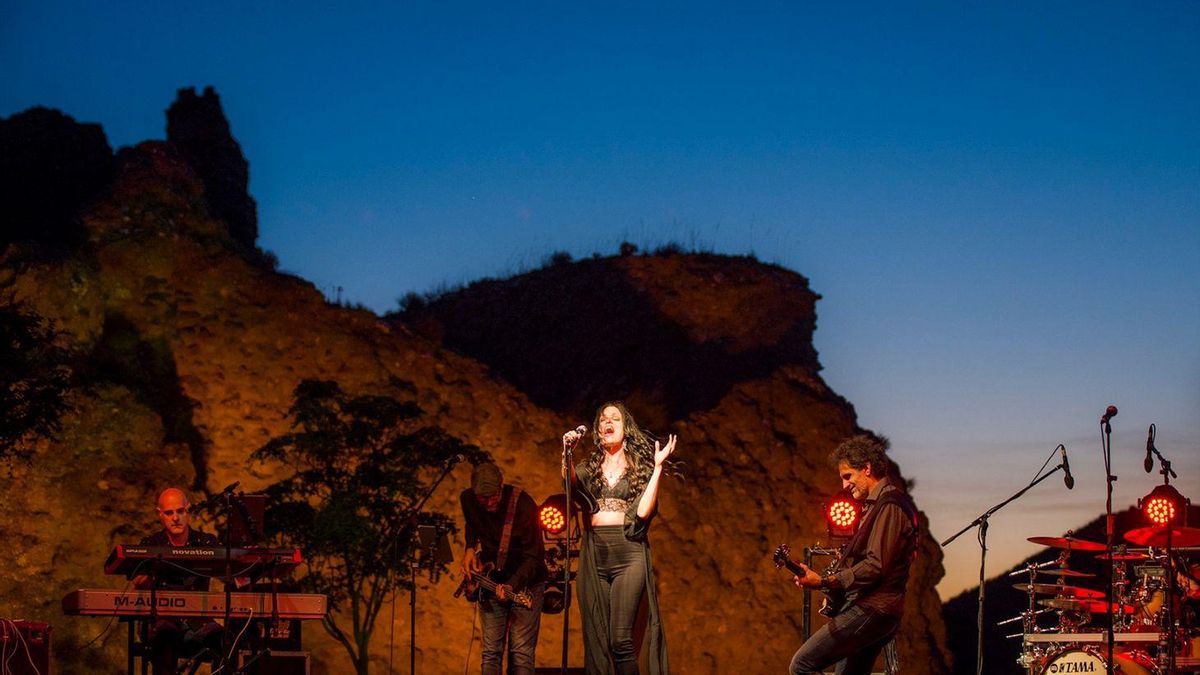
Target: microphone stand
1168, 473
1109, 532
569, 460
982, 523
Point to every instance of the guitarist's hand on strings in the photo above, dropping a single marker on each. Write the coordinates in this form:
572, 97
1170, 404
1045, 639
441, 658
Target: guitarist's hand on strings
470, 563
810, 579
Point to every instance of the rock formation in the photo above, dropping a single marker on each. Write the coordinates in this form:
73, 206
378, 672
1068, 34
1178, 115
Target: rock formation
50, 165
188, 355
197, 127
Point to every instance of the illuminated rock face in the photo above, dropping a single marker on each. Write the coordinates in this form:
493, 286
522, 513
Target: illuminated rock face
189, 355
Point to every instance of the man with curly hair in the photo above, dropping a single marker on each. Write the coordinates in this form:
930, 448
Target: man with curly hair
866, 588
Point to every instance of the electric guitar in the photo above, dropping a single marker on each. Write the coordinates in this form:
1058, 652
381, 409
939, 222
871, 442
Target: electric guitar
475, 582
834, 601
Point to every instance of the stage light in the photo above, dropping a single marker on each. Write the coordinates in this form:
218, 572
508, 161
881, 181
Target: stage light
552, 520
552, 514
1163, 506
841, 514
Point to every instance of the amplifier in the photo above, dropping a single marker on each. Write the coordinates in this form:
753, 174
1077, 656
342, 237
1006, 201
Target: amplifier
26, 646
274, 663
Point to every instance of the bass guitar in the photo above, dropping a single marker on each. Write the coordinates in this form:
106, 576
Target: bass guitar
476, 582
834, 601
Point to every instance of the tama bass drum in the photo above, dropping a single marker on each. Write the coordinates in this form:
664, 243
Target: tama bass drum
1091, 660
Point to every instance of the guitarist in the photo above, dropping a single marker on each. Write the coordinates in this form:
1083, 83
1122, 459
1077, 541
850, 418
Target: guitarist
866, 588
502, 532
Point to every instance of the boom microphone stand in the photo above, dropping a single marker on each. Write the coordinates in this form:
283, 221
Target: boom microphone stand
982, 523
1167, 473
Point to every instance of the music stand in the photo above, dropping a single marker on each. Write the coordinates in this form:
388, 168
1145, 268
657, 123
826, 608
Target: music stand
245, 520
434, 544
433, 551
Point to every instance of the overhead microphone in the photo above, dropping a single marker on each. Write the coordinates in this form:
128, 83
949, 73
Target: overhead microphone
1148, 463
1068, 479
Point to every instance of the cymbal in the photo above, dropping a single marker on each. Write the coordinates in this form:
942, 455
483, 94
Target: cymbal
1069, 543
1157, 536
1064, 591
1059, 572
1091, 606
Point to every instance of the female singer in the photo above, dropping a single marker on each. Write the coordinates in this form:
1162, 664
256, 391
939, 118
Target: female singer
618, 485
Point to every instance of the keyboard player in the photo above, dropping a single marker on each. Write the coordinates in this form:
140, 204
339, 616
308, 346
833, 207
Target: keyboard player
172, 639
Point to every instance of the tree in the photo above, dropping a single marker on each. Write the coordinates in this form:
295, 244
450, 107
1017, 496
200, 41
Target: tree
34, 376
361, 464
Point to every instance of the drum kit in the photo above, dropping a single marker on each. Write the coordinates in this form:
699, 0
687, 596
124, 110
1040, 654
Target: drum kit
1151, 636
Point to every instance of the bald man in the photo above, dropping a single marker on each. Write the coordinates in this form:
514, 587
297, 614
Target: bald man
173, 639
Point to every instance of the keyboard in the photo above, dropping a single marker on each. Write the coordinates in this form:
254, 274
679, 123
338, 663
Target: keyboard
211, 604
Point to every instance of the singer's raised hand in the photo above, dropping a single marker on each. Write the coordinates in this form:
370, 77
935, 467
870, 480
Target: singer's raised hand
662, 453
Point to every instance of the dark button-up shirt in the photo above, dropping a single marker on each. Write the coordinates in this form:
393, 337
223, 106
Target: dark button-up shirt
525, 564
889, 543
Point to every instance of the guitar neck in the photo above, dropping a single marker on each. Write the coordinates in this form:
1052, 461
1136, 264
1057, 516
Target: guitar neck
793, 567
484, 582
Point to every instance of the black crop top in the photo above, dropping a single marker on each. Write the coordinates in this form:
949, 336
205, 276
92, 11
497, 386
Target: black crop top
615, 498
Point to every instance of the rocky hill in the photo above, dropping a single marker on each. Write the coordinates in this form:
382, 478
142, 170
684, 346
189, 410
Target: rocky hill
189, 347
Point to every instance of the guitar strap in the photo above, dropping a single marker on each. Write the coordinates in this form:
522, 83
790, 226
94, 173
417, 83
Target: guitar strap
506, 535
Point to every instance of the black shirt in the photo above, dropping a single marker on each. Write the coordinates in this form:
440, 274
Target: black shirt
525, 564
174, 576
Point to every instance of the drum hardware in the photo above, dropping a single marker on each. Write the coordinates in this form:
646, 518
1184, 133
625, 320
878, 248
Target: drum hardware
1022, 615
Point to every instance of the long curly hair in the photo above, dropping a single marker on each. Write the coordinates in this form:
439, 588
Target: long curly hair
639, 451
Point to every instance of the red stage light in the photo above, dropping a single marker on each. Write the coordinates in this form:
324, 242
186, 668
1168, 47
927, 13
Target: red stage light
552, 519
841, 514
1163, 505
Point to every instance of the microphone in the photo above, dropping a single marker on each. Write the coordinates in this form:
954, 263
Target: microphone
1148, 463
1068, 479
455, 459
1109, 413
579, 431
207, 503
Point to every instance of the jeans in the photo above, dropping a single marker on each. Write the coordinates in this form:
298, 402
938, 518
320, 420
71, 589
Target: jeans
519, 625
852, 640
621, 566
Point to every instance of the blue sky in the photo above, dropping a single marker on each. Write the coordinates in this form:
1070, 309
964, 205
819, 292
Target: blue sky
999, 204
